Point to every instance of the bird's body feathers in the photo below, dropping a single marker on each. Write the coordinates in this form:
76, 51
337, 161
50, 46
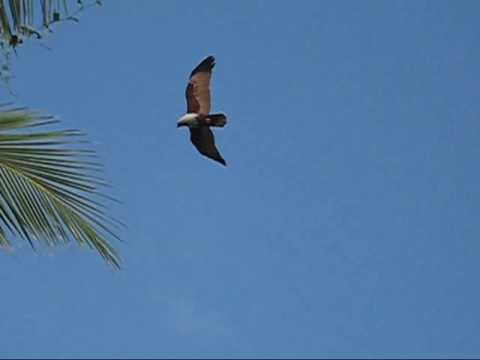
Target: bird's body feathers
198, 118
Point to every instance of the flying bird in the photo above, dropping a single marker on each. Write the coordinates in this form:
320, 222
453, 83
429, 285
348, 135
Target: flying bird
198, 117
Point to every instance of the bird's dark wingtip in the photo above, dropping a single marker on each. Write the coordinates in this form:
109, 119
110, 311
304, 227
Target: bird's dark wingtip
221, 161
207, 64
209, 60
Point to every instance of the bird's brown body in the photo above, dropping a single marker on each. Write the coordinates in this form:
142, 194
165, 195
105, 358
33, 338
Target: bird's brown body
198, 117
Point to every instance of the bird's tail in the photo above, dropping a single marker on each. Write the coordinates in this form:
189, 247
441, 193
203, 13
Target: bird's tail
217, 120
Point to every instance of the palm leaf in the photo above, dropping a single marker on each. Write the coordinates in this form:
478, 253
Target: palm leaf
23, 18
50, 187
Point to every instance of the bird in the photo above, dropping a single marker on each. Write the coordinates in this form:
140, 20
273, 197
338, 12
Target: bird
198, 118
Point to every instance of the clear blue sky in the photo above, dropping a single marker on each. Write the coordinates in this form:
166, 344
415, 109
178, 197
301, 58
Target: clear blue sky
346, 224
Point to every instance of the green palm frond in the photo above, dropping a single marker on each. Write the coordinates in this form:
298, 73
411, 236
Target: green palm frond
49, 187
23, 18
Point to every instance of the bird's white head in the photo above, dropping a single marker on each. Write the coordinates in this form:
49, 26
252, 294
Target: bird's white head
189, 119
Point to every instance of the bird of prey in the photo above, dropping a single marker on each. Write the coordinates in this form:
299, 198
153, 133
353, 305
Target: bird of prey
198, 117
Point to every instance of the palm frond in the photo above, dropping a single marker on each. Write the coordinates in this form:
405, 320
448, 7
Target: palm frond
24, 19
20, 19
50, 187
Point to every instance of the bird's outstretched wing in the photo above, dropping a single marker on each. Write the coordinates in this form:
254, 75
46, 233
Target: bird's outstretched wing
198, 88
202, 138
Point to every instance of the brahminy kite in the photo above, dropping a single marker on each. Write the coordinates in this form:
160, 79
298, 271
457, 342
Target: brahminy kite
198, 117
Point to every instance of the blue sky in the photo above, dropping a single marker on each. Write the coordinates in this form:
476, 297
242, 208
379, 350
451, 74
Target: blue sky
346, 223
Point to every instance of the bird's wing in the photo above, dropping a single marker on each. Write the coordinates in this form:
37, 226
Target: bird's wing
202, 138
198, 88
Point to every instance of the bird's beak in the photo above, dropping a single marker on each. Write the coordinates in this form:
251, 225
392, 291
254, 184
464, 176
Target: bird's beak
178, 125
